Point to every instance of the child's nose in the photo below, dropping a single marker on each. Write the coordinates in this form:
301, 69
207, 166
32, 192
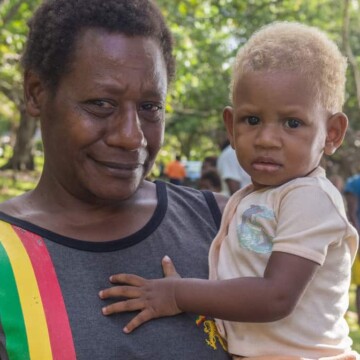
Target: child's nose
268, 135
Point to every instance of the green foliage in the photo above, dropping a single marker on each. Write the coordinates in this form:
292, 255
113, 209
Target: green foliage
207, 35
13, 29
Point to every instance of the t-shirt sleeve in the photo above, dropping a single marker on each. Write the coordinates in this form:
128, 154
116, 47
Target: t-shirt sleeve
308, 223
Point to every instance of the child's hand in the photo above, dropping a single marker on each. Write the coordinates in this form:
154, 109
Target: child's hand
154, 298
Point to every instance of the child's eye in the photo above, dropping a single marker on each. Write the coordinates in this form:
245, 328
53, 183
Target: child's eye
292, 123
252, 120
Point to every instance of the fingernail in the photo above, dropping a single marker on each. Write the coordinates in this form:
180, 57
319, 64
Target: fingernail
125, 330
104, 310
100, 294
166, 258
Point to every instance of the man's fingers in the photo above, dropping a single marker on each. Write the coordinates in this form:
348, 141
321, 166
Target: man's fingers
123, 306
168, 267
129, 279
130, 292
138, 320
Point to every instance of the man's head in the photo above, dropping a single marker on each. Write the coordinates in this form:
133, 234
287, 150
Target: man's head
96, 75
56, 25
297, 48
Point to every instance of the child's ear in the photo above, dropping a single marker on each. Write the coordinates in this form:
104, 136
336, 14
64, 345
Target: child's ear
336, 128
228, 116
34, 92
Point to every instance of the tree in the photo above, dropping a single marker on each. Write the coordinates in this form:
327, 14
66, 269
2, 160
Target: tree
13, 15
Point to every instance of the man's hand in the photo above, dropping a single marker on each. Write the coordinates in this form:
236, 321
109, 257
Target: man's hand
154, 298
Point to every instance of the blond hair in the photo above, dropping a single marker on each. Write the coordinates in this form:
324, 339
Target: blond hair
291, 46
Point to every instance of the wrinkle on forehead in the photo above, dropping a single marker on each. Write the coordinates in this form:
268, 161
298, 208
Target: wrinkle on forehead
115, 63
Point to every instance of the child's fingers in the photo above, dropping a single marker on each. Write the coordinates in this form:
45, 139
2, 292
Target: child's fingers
127, 279
123, 306
138, 320
169, 267
130, 292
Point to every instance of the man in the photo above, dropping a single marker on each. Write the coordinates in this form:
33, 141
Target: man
96, 74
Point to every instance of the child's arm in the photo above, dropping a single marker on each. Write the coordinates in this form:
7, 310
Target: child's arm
247, 299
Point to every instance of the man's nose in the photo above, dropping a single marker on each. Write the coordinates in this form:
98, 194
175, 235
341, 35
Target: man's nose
125, 131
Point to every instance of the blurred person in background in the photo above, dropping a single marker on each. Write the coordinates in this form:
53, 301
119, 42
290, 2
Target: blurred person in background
232, 175
210, 180
175, 171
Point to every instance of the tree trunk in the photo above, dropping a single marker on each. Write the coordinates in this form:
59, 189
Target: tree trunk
23, 155
347, 48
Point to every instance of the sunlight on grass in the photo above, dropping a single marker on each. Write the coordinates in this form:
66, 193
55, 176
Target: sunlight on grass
13, 184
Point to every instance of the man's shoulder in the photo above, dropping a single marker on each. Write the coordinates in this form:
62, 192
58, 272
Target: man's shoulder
14, 206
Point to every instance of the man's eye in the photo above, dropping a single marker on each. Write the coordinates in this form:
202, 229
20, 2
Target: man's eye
292, 123
151, 107
99, 108
100, 103
252, 120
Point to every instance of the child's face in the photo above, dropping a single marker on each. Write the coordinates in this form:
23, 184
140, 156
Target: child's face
278, 129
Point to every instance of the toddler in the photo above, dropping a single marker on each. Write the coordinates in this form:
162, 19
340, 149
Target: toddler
280, 265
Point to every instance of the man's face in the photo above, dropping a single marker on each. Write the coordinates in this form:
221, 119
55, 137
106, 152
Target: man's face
105, 124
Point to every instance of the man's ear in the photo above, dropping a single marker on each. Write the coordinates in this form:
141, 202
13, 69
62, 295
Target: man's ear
34, 93
336, 128
228, 117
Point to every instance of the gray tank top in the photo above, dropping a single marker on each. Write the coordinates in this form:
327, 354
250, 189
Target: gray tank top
182, 226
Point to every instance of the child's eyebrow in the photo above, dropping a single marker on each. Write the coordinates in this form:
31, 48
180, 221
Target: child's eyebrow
247, 108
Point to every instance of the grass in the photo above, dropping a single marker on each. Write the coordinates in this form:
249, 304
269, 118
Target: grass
13, 184
351, 318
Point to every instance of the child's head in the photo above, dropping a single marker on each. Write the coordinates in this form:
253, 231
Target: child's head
295, 47
287, 94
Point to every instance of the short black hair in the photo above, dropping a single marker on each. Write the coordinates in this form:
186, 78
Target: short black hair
56, 24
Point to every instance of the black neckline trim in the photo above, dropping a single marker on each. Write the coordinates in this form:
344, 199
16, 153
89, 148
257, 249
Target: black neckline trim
103, 246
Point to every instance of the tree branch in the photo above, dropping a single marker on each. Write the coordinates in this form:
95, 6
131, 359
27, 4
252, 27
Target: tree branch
11, 12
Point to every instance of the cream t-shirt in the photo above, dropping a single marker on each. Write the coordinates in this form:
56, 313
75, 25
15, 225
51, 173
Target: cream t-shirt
304, 217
